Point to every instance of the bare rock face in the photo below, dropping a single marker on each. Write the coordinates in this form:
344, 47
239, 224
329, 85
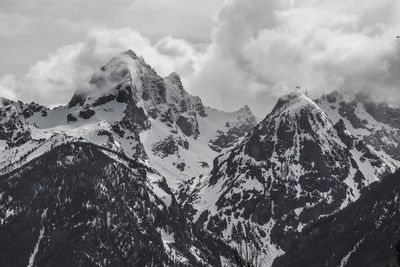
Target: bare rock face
77, 99
188, 125
124, 95
344, 135
376, 123
169, 146
128, 79
13, 127
103, 100
71, 118
242, 124
29, 110
87, 113
383, 112
347, 110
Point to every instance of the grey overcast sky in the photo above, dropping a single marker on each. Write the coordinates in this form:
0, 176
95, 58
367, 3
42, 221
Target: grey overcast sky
229, 52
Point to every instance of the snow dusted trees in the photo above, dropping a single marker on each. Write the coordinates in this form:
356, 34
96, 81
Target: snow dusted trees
248, 255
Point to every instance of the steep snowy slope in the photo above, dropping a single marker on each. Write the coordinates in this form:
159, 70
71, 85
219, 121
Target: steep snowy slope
377, 124
294, 167
20, 139
180, 158
128, 108
363, 234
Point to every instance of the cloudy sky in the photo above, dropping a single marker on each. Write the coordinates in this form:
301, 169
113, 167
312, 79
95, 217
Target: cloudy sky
229, 52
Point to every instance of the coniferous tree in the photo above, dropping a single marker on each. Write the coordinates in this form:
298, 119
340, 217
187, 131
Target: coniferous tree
397, 247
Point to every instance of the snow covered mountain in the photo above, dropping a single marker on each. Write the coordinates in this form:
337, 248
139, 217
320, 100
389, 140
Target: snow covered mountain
128, 108
136, 171
293, 168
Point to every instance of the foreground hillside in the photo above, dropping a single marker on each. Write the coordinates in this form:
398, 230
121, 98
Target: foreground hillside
363, 234
77, 206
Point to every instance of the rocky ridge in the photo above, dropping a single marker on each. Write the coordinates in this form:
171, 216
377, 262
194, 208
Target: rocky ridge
295, 167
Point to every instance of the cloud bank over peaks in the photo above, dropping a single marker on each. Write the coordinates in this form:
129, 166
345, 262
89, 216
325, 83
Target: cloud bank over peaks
259, 50
263, 49
55, 79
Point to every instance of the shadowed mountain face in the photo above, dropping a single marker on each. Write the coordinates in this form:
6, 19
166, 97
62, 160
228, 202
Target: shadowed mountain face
75, 206
363, 234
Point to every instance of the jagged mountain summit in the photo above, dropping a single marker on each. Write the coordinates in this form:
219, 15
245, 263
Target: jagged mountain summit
129, 108
294, 167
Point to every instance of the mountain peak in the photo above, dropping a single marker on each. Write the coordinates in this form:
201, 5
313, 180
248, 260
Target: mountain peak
174, 79
127, 59
245, 113
174, 76
122, 70
130, 53
293, 102
245, 109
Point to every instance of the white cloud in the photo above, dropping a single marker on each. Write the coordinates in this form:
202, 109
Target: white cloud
7, 83
189, 19
157, 18
269, 47
258, 51
54, 79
